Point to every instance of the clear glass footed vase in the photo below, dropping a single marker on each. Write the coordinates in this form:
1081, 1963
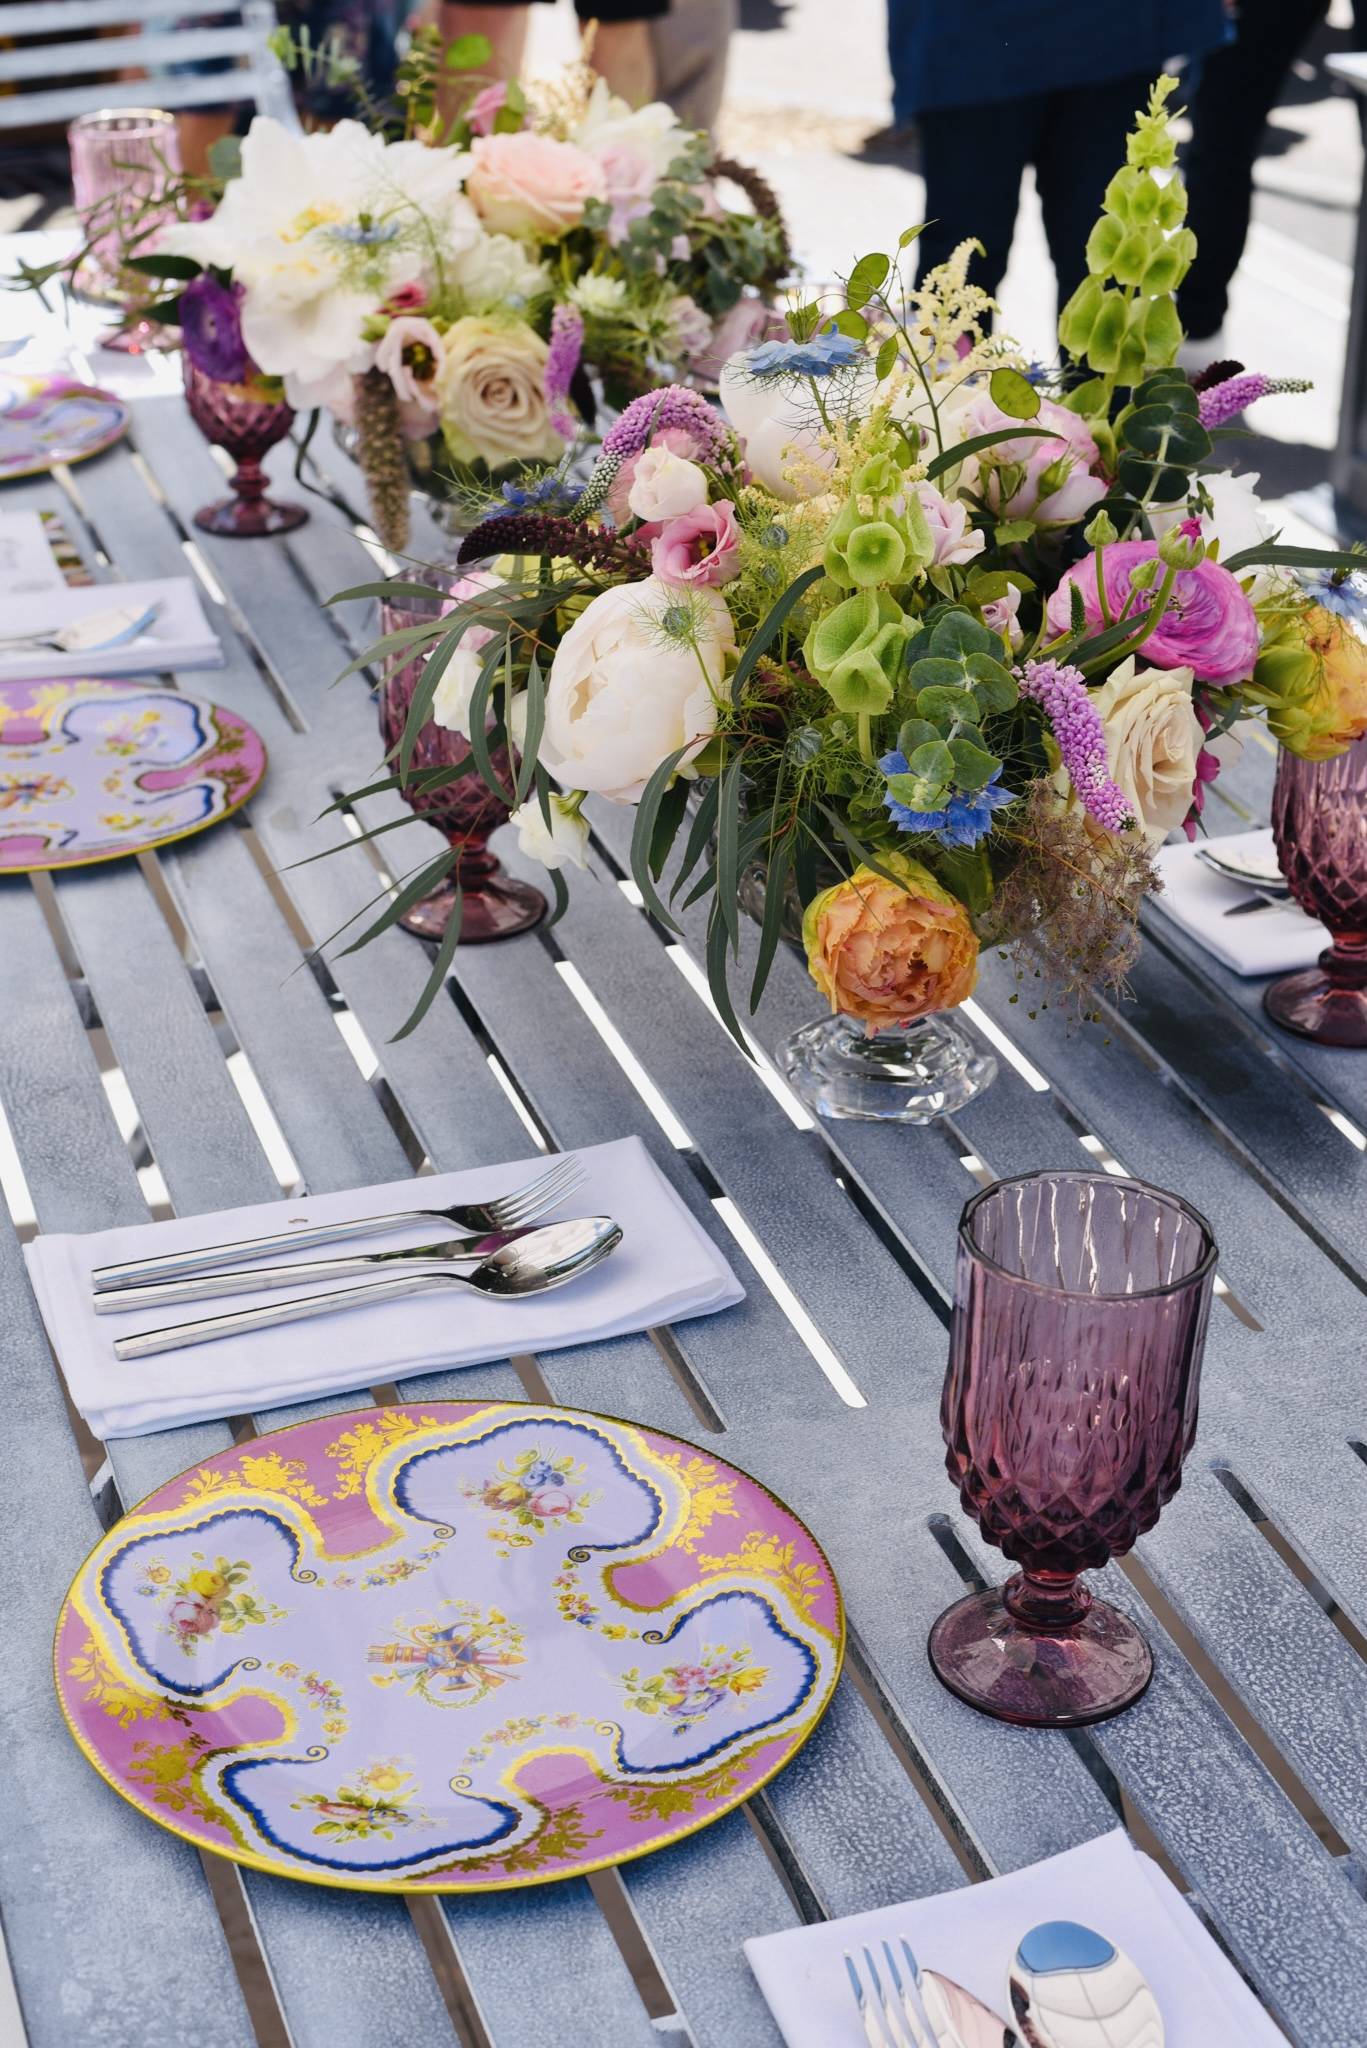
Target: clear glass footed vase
904, 1074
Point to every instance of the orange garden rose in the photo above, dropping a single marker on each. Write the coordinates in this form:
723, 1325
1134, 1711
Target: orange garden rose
888, 955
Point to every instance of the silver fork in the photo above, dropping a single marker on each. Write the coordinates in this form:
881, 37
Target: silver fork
890, 2019
503, 1213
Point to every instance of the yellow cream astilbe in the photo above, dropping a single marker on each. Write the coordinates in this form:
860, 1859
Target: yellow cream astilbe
945, 307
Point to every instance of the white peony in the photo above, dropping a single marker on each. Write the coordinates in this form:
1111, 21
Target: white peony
665, 485
320, 229
495, 271
599, 296
635, 678
786, 447
1153, 737
565, 838
609, 123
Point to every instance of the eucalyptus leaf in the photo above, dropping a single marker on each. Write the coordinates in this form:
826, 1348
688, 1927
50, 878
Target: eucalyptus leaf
717, 950
441, 967
536, 722
699, 836
643, 836
771, 926
728, 849
1270, 555
958, 632
916, 732
973, 766
934, 762
422, 884
941, 706
978, 444
770, 626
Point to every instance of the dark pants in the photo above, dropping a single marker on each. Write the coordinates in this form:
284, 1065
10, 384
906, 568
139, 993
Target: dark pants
1237, 90
974, 157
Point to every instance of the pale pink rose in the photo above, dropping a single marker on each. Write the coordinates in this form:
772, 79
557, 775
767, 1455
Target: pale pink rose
486, 106
406, 298
678, 439
702, 546
955, 540
527, 184
629, 176
1058, 485
411, 354
666, 485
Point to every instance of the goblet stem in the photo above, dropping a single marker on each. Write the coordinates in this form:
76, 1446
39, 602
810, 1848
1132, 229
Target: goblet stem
1047, 1600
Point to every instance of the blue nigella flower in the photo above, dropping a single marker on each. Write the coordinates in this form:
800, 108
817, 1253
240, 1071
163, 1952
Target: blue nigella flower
963, 821
365, 234
1346, 595
552, 492
816, 357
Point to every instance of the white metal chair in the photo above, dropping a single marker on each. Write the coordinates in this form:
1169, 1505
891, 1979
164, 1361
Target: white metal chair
161, 33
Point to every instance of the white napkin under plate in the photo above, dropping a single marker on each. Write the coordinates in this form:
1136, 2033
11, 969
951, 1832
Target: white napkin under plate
665, 1269
1271, 941
27, 563
971, 1936
179, 637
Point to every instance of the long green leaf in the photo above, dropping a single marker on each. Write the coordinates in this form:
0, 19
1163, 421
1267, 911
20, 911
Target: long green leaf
421, 780
643, 836
390, 589
728, 849
1268, 555
718, 948
441, 966
772, 622
412, 892
375, 832
420, 703
668, 819
479, 717
961, 450
560, 891
705, 884
775, 890
536, 723
699, 833
405, 640
853, 845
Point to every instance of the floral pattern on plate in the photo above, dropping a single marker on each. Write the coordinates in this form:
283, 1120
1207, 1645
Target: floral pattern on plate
54, 419
93, 771
252, 1664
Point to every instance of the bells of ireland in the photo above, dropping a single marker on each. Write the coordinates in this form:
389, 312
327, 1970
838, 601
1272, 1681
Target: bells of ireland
856, 651
880, 535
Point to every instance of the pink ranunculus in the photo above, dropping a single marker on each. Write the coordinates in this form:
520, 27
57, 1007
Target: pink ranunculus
629, 176
678, 441
1059, 484
527, 184
702, 546
411, 355
1209, 627
406, 298
955, 540
486, 106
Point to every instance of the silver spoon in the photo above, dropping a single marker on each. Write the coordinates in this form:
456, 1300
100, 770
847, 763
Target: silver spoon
465, 1253
1072, 1988
544, 1258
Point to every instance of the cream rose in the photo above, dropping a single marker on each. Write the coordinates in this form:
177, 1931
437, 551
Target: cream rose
1153, 737
635, 677
666, 485
527, 184
491, 397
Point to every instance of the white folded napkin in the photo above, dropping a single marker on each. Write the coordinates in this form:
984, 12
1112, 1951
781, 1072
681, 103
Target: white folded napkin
27, 563
665, 1269
971, 1935
179, 637
1270, 941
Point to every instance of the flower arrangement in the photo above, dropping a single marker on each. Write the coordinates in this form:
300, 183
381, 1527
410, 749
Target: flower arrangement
938, 644
444, 283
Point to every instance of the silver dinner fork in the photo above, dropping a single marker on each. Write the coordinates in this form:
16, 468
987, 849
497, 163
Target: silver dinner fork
503, 1213
890, 2019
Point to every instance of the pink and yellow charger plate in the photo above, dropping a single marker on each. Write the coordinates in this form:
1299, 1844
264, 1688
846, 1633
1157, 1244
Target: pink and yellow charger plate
457, 1647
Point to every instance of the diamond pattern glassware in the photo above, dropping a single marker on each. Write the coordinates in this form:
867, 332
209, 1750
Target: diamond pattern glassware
494, 905
1319, 821
236, 418
121, 158
1080, 1310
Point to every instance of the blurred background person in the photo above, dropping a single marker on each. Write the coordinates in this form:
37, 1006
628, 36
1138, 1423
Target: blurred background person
623, 47
1053, 84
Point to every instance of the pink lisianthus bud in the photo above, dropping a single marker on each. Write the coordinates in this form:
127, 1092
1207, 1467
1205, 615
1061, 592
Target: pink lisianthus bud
486, 106
702, 546
406, 298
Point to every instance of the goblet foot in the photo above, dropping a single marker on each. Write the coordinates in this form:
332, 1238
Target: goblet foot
496, 907
1313, 1005
249, 518
1064, 1677
909, 1075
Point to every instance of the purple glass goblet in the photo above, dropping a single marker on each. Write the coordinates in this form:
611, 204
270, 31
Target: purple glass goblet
1080, 1308
493, 904
235, 417
122, 159
1319, 821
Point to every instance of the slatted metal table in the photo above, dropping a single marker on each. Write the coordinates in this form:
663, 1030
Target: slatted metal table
155, 1023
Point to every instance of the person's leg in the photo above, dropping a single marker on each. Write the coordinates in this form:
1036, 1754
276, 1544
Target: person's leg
973, 158
1081, 147
505, 28
1236, 91
624, 55
690, 44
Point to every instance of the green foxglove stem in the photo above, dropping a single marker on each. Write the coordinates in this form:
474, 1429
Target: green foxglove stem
1151, 619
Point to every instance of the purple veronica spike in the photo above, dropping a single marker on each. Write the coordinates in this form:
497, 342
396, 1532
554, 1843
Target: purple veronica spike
567, 342
1224, 401
656, 411
1062, 695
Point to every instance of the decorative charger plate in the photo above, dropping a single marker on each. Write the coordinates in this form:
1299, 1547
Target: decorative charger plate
93, 771
54, 419
450, 1648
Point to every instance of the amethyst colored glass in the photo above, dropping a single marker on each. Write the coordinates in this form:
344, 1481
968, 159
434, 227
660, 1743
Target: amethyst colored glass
493, 904
1080, 1310
1319, 821
233, 417
120, 160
